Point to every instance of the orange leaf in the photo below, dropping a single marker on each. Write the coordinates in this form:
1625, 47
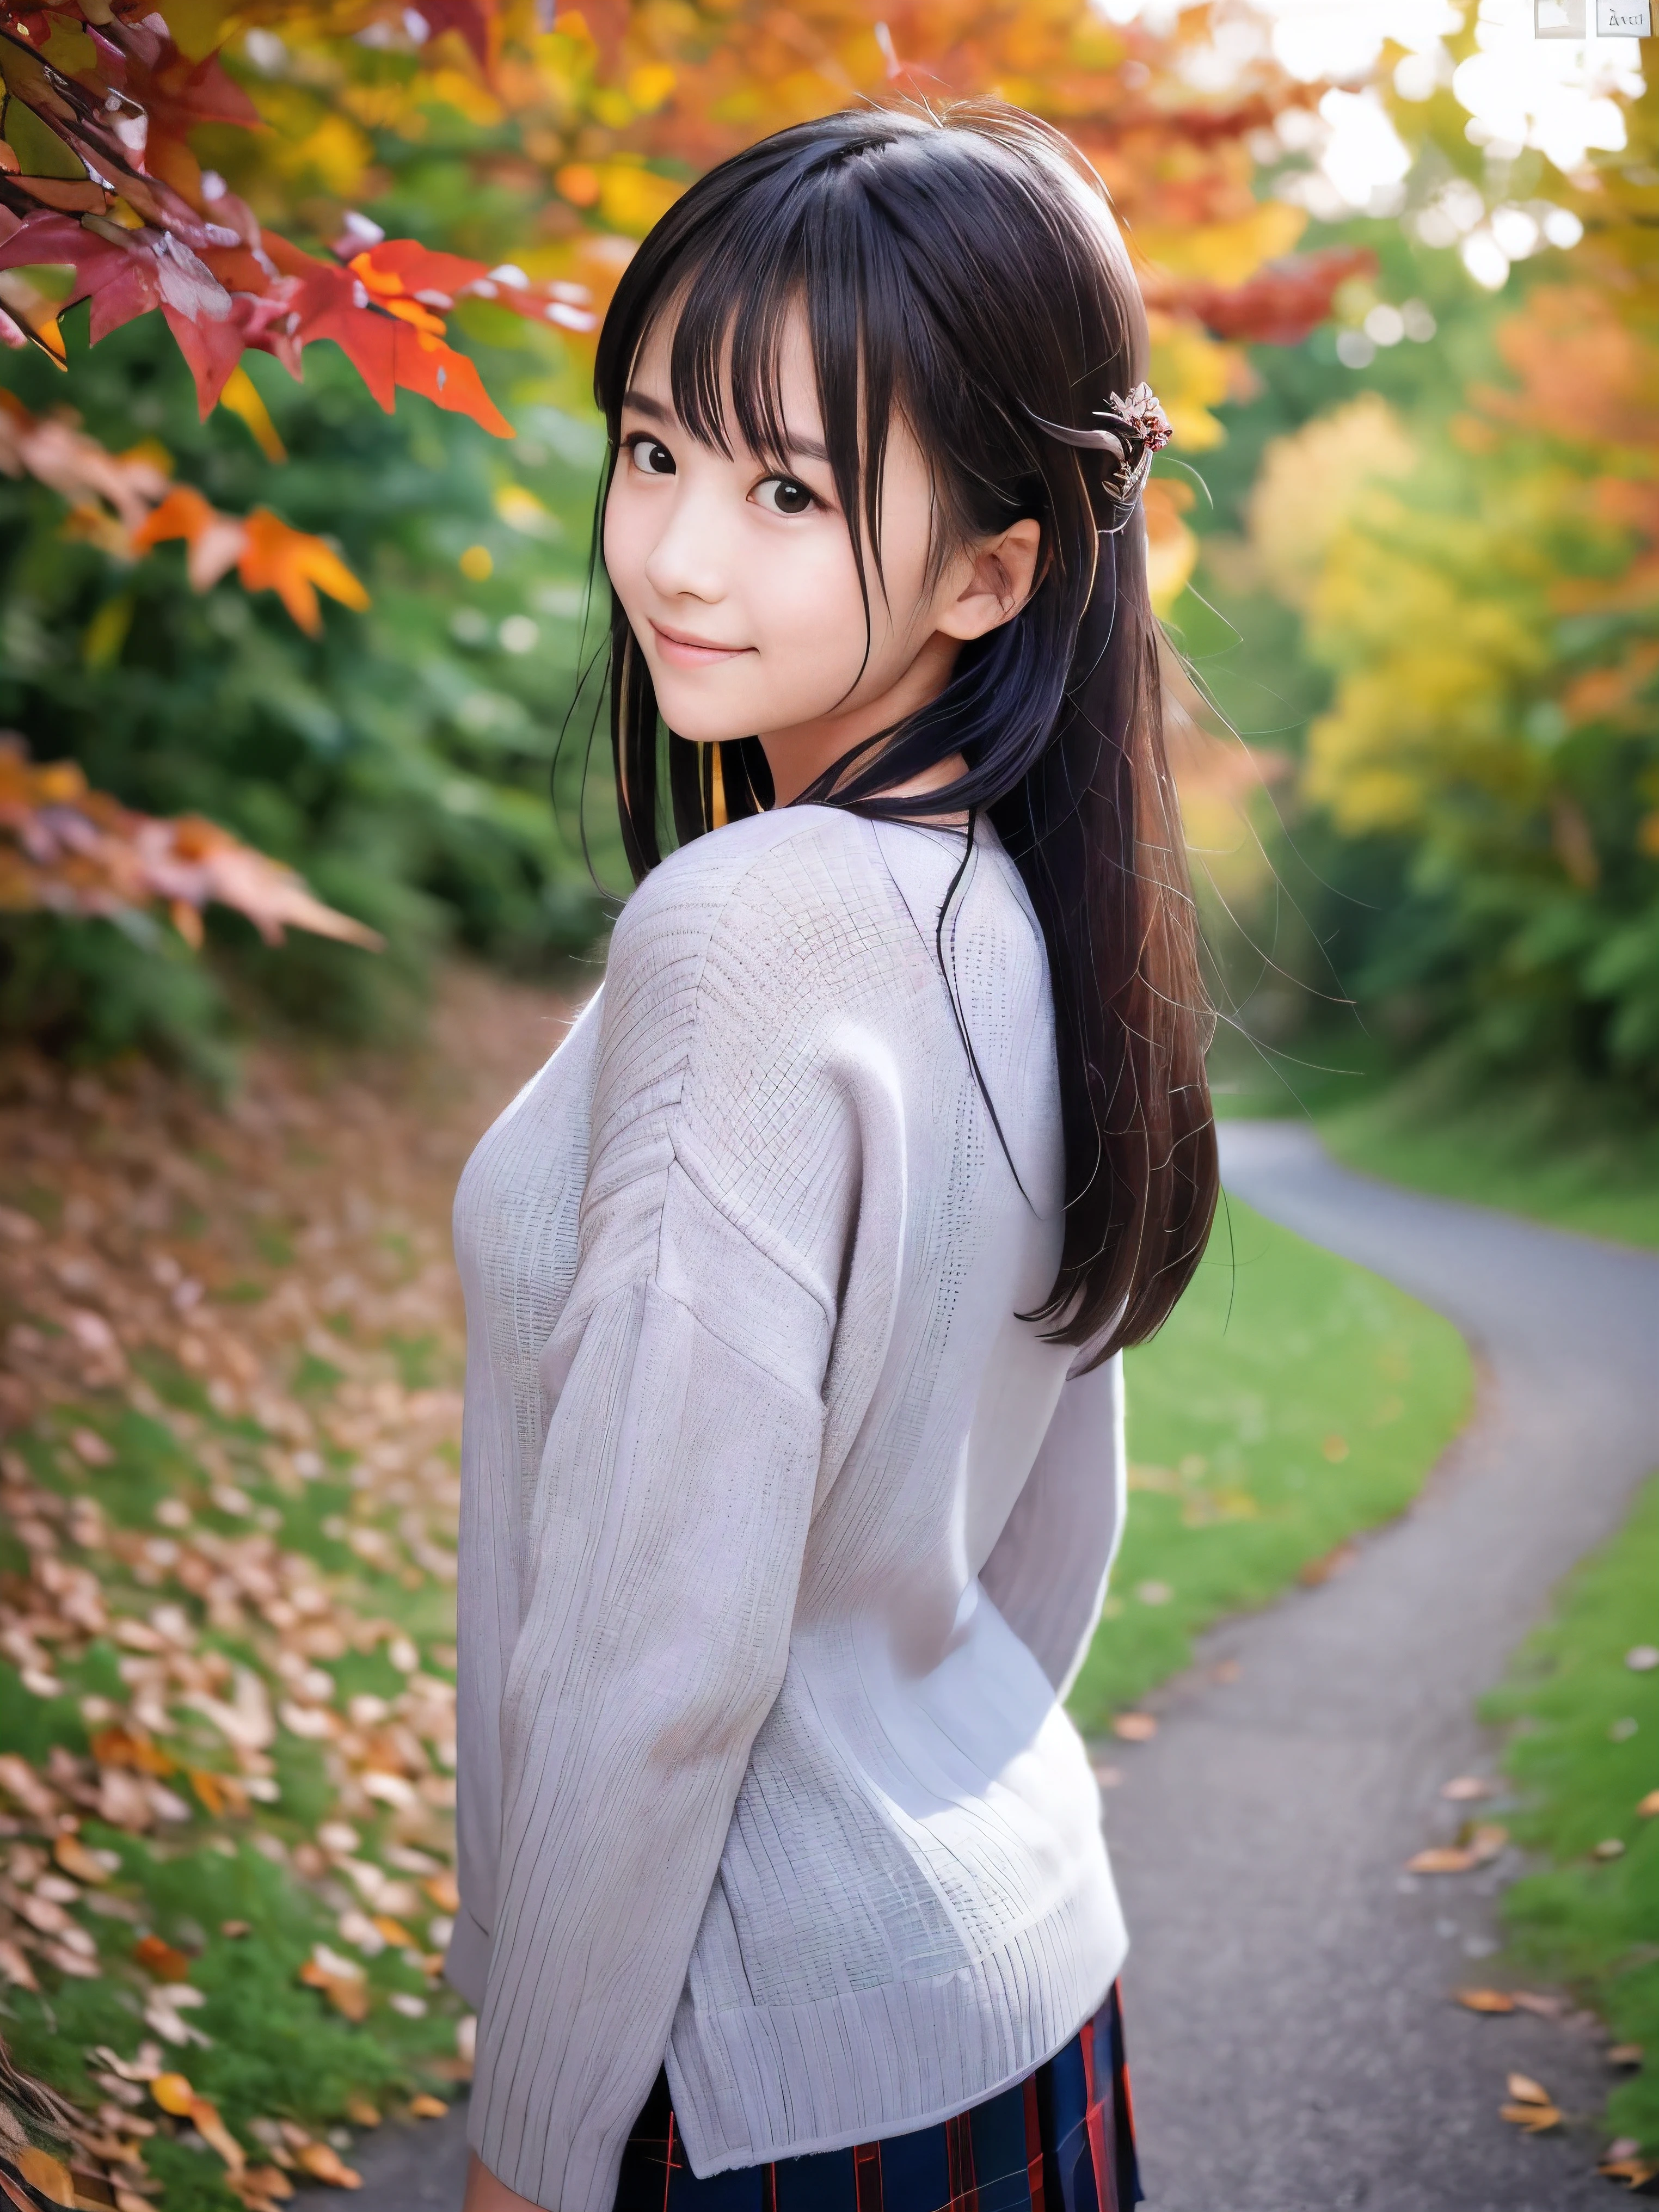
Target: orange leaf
214, 540
165, 1963
442, 1889
398, 267
43, 2171
346, 1993
448, 379
1534, 2118
72, 1855
173, 2094
205, 2118
291, 563
1485, 2000
323, 2163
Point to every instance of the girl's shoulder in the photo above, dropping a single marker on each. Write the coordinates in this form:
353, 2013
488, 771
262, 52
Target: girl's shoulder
802, 860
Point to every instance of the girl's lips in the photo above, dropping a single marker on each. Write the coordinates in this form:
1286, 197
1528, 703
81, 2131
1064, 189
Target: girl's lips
691, 652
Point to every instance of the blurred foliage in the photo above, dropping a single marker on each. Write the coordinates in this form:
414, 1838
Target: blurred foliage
1449, 582
399, 759
400, 756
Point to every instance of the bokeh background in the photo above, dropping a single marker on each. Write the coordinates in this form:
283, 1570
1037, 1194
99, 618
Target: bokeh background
306, 847
1398, 257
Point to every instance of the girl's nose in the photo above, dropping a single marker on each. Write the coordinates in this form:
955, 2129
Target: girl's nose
687, 561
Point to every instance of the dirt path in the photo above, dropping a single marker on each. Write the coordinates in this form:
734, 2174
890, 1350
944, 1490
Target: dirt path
1291, 2037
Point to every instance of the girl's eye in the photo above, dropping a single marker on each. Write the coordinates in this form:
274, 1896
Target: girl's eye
651, 457
783, 496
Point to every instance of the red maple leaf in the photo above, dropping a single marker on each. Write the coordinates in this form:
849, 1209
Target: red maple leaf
1281, 303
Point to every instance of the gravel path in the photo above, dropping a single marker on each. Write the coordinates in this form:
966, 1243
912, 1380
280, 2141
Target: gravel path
1293, 2044
1290, 2029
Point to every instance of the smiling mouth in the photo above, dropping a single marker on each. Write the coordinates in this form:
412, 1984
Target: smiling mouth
692, 652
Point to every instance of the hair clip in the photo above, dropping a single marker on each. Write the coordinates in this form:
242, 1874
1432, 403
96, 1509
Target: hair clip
1139, 429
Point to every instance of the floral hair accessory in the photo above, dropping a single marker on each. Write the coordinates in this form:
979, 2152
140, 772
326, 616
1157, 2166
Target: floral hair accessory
1137, 427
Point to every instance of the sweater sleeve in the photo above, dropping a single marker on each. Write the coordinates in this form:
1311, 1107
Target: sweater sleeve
667, 1526
1047, 1573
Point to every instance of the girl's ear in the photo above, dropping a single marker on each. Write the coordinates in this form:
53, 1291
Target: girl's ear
1000, 573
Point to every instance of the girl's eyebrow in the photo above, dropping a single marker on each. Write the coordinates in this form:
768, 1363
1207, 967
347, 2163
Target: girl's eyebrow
803, 449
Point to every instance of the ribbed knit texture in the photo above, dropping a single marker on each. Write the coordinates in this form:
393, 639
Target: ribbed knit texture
780, 1534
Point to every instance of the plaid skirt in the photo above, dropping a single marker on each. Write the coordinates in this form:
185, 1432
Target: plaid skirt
1061, 2141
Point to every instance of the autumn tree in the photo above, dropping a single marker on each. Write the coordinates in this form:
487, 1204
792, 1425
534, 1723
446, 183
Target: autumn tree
1481, 583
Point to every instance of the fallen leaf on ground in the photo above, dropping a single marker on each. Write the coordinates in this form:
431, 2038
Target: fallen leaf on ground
424, 2108
362, 2113
323, 2163
1332, 1562
1442, 1858
162, 1960
16, 1967
43, 2171
341, 1981
73, 1856
1485, 2000
173, 2094
1534, 2118
1625, 2054
205, 2118
1523, 2090
1463, 1787
1636, 2171
1648, 1809
1135, 1728
1484, 1844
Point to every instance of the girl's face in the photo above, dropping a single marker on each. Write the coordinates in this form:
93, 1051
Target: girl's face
739, 583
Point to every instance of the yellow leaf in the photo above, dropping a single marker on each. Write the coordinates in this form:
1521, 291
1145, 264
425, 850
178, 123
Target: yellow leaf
1171, 548
173, 2094
198, 26
241, 397
631, 200
465, 94
45, 2173
1222, 252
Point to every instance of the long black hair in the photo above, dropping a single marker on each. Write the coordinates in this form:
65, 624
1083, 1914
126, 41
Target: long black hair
962, 269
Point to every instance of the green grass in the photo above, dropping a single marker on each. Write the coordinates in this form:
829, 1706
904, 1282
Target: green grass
1510, 1153
1556, 1150
275, 2047
1291, 1401
1583, 1752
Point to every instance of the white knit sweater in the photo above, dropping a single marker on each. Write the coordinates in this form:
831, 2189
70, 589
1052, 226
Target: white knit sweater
782, 1535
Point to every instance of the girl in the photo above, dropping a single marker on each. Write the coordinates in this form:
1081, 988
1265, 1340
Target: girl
793, 1448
